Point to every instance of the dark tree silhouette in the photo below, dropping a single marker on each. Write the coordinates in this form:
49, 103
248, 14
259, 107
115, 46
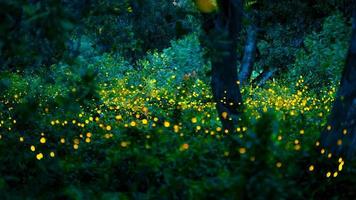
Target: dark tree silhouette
221, 33
339, 135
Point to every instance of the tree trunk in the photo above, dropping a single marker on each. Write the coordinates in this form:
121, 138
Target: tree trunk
249, 54
221, 31
262, 78
339, 135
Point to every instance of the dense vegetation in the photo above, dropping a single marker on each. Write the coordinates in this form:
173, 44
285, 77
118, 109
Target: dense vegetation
113, 99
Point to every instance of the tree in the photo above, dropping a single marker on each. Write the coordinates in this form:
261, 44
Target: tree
249, 54
339, 135
221, 29
252, 9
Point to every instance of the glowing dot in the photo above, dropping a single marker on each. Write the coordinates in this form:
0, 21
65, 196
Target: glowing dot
124, 144
317, 143
184, 146
33, 148
328, 127
279, 164
75, 146
335, 174
224, 115
39, 156
340, 160
176, 128
52, 154
344, 131
132, 123
43, 140
340, 166
322, 151
63, 140
21, 139
89, 134
279, 137
242, 150
166, 124
108, 128
144, 121
87, 140
328, 174
297, 147
118, 117
194, 120
301, 132
311, 168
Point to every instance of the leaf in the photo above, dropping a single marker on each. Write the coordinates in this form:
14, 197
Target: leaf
67, 25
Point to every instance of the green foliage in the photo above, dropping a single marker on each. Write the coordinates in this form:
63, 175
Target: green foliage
322, 59
100, 155
33, 33
184, 59
112, 126
283, 29
133, 27
276, 49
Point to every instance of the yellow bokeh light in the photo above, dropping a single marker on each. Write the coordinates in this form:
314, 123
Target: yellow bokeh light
39, 156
